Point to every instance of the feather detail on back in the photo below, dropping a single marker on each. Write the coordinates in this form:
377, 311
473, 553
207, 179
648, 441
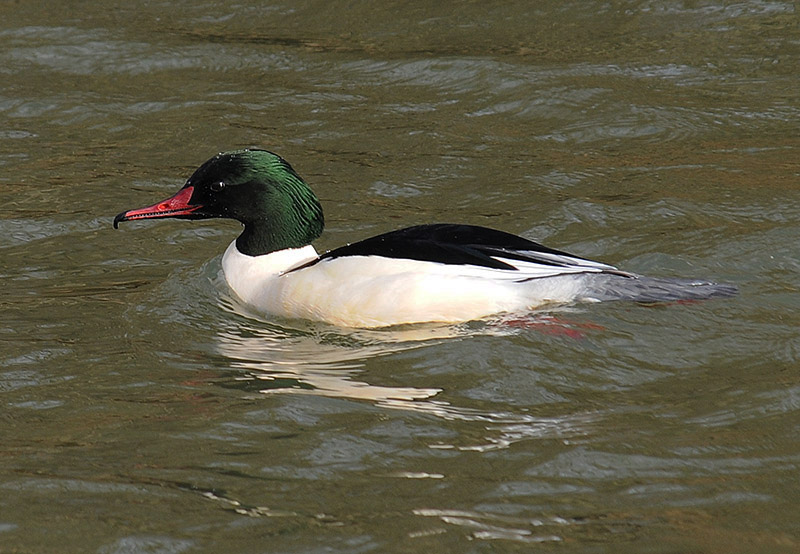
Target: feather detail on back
470, 245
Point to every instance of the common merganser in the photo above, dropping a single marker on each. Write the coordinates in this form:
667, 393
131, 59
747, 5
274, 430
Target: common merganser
428, 273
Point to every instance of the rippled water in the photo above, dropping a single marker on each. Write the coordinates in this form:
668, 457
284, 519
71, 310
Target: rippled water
145, 411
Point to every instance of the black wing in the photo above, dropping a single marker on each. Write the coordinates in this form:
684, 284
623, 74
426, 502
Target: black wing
449, 243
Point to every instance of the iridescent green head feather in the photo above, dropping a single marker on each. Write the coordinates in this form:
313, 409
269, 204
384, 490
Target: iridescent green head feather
260, 189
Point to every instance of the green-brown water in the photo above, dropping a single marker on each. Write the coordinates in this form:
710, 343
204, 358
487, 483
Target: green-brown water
142, 413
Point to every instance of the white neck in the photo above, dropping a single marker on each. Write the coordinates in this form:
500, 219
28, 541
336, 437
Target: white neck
247, 275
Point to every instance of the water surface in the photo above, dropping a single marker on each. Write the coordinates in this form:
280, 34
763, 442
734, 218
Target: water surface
144, 411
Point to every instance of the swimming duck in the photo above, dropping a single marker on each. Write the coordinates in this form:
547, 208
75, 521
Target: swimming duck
427, 273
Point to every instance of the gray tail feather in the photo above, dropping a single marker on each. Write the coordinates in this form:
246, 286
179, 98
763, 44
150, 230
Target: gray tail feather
604, 287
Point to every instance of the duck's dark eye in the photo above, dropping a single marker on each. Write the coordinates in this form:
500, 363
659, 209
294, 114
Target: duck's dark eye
218, 186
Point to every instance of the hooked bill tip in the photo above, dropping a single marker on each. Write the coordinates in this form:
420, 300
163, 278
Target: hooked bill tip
118, 218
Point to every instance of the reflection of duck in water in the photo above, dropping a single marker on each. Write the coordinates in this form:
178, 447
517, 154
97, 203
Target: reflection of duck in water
332, 364
279, 360
427, 273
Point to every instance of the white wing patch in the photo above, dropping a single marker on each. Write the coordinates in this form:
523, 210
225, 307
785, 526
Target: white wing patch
567, 265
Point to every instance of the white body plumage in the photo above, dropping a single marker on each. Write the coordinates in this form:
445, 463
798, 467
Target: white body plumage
375, 291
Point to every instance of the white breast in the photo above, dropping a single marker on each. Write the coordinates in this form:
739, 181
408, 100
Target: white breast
255, 279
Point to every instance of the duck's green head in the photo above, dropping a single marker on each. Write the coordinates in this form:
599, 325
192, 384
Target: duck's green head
256, 187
